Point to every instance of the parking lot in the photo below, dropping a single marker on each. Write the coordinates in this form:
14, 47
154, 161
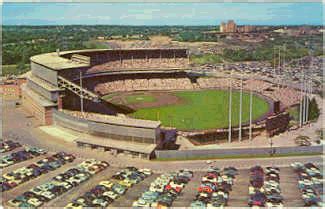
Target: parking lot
237, 197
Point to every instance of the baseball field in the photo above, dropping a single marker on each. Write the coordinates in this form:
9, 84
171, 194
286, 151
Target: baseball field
191, 110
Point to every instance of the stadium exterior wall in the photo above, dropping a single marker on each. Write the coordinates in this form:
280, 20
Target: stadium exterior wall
44, 73
114, 131
42, 112
192, 154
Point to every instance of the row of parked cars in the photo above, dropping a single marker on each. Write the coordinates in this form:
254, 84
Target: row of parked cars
164, 190
310, 183
104, 193
58, 185
19, 156
214, 189
8, 145
264, 189
14, 178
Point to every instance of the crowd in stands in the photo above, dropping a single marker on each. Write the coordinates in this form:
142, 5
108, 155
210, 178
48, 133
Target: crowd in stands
287, 96
138, 64
88, 115
143, 84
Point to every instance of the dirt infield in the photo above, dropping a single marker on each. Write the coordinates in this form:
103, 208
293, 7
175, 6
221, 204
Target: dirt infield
161, 98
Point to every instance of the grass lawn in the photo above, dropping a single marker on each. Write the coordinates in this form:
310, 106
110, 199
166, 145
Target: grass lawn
12, 70
206, 59
109, 96
294, 112
136, 98
203, 110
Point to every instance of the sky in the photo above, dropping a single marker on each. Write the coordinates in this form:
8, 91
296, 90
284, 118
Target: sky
161, 13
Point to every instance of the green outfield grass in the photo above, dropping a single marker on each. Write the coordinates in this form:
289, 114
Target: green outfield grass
203, 110
137, 98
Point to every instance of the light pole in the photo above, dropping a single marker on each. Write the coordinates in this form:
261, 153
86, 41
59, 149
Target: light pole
230, 104
301, 103
250, 114
271, 146
81, 94
240, 106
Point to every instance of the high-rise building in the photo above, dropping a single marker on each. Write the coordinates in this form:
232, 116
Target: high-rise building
223, 27
231, 27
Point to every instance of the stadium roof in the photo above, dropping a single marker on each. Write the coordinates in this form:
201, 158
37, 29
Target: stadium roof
56, 61
119, 144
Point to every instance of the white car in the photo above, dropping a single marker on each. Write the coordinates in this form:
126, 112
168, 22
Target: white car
48, 195
253, 190
296, 165
209, 179
227, 179
35, 202
209, 162
210, 206
225, 195
141, 203
274, 205
146, 171
111, 195
156, 188
174, 185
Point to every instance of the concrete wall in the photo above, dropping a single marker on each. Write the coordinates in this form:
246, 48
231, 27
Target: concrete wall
114, 131
41, 113
44, 73
52, 96
186, 154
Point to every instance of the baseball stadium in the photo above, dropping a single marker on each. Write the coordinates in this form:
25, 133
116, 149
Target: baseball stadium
139, 100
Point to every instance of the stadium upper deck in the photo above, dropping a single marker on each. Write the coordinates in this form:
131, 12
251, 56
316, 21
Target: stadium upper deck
88, 58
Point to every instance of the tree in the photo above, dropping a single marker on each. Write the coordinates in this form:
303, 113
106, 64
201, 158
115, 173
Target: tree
313, 111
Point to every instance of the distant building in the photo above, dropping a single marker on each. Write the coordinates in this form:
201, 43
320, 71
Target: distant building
231, 27
223, 27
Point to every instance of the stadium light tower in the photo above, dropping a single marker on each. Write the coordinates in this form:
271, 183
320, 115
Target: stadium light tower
274, 61
240, 105
81, 94
308, 94
230, 104
304, 102
284, 61
279, 67
301, 101
308, 86
250, 113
